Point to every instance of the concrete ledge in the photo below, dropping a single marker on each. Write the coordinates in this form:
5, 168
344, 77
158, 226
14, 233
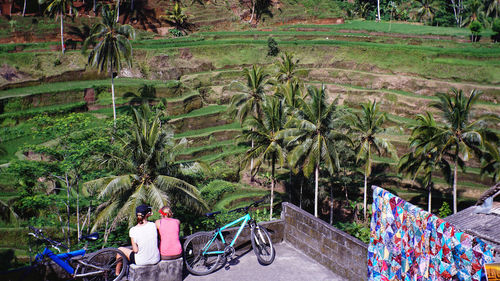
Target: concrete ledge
340, 252
165, 270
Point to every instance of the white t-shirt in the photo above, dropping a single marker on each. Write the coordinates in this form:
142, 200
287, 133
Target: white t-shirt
146, 237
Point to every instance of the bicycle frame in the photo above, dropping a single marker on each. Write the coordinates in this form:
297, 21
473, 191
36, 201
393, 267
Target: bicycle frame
244, 219
61, 259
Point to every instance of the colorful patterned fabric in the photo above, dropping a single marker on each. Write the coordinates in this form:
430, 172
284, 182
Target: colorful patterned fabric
408, 243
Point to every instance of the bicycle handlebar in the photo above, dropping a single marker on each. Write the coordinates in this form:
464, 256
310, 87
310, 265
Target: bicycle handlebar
39, 235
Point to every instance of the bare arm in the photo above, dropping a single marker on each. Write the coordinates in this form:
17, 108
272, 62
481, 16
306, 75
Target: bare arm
134, 245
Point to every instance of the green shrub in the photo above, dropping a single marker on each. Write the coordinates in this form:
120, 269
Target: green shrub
445, 210
176, 32
272, 46
49, 110
475, 28
496, 30
214, 191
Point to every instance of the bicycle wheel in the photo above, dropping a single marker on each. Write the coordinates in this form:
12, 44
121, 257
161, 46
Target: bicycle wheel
196, 262
103, 264
262, 245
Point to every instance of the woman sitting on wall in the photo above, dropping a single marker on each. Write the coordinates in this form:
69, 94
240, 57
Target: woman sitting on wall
168, 227
144, 238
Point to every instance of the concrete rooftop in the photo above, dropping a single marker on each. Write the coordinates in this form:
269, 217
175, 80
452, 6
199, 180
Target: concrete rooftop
289, 265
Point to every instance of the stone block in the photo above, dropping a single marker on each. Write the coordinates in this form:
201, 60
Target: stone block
165, 270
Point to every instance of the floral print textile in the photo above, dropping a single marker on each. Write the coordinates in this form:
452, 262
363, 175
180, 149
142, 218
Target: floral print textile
408, 243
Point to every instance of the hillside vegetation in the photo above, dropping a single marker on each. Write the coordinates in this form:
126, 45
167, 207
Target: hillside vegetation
56, 117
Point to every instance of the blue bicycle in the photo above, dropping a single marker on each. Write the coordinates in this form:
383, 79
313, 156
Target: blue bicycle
100, 265
203, 251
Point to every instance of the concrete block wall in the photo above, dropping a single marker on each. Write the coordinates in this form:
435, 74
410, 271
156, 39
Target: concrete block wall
340, 252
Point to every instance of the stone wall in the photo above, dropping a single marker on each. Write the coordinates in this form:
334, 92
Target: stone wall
340, 252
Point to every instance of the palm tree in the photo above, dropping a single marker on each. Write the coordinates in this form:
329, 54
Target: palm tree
426, 9
57, 9
368, 128
476, 13
266, 134
177, 17
290, 92
424, 159
312, 138
494, 6
112, 47
490, 158
147, 93
248, 103
147, 172
287, 68
459, 137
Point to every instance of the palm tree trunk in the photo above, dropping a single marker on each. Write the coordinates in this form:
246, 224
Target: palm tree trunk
118, 11
272, 189
94, 8
429, 189
316, 188
253, 10
132, 5
251, 165
455, 187
364, 197
113, 98
78, 230
367, 170
24, 8
331, 205
378, 10
300, 196
62, 33
68, 191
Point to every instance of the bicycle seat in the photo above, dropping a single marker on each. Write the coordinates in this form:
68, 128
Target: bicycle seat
212, 214
91, 237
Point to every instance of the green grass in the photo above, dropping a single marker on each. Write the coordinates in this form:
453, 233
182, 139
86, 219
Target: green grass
191, 150
225, 202
79, 86
402, 28
209, 130
211, 109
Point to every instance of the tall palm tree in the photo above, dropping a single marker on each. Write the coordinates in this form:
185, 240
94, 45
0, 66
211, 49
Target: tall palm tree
249, 102
494, 6
176, 16
112, 47
426, 9
424, 159
290, 92
147, 94
490, 158
367, 129
266, 134
57, 9
146, 172
287, 68
459, 137
312, 137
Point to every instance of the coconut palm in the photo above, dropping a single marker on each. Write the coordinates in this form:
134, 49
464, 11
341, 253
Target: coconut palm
459, 137
177, 17
57, 9
248, 103
426, 9
493, 7
490, 158
424, 159
146, 172
112, 47
287, 68
290, 92
367, 129
266, 134
312, 138
147, 93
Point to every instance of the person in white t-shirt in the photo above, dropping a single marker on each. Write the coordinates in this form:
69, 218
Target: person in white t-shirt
144, 238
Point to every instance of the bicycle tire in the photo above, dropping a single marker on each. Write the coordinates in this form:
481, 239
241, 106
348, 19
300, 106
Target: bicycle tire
199, 264
106, 258
262, 245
